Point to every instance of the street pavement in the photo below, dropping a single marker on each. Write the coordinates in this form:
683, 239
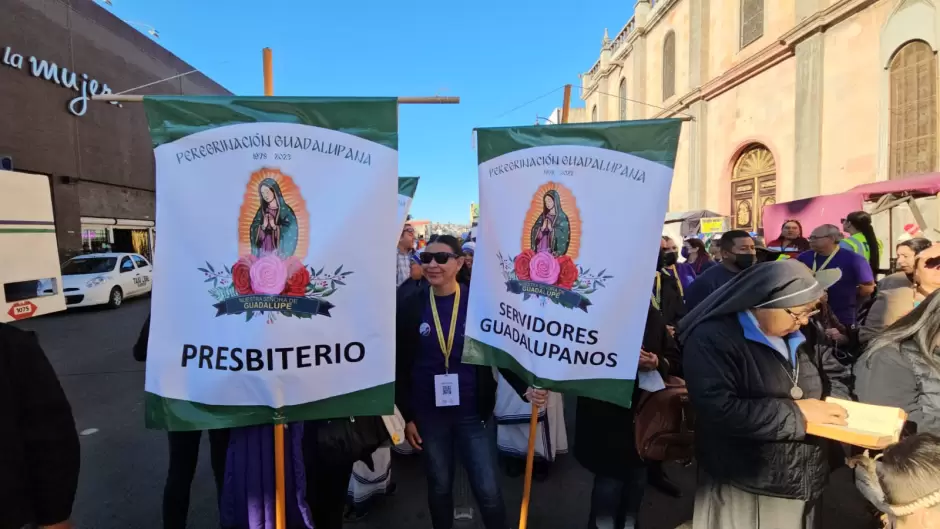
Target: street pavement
124, 464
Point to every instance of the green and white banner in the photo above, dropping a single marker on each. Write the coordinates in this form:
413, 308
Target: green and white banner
569, 230
407, 185
264, 310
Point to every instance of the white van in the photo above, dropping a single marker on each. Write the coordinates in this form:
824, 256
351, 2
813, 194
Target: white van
29, 256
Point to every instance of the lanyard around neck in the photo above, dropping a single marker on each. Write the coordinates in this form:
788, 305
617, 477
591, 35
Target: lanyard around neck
826, 262
675, 274
447, 346
656, 297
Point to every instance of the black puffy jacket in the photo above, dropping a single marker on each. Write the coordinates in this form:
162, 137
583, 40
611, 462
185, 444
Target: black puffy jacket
39, 448
749, 431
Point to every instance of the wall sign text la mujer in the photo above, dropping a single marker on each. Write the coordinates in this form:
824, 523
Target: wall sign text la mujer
50, 71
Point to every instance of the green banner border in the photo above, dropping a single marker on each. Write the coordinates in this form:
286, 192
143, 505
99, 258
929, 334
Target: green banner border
408, 185
162, 413
656, 140
619, 392
371, 118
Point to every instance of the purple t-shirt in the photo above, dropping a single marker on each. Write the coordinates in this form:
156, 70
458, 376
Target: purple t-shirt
843, 295
430, 360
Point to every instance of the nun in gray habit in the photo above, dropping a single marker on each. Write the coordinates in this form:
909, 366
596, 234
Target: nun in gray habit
754, 381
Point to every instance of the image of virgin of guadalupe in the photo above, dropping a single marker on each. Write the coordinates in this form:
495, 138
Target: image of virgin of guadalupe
551, 232
274, 228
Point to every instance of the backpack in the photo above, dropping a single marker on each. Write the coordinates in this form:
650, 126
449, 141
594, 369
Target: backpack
665, 423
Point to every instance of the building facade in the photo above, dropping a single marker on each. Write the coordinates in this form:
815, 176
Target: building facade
788, 99
55, 54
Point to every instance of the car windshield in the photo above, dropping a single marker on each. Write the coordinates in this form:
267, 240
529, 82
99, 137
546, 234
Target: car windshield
90, 265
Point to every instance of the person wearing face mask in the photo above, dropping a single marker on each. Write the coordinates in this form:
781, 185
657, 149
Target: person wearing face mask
695, 254
683, 272
738, 252
667, 294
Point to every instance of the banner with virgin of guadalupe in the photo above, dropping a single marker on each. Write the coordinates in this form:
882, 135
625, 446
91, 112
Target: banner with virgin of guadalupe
569, 231
270, 302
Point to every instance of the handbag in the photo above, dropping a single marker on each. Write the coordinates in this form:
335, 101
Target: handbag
350, 439
665, 423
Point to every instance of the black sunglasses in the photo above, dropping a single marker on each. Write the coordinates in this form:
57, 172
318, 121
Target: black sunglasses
440, 257
932, 263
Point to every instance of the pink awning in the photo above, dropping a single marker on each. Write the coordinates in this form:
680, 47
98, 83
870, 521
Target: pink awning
927, 184
811, 212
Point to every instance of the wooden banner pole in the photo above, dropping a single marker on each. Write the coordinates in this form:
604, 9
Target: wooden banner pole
565, 103
280, 495
529, 462
432, 100
534, 418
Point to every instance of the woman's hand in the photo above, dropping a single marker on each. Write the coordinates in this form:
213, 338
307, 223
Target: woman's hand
539, 397
822, 412
648, 361
411, 435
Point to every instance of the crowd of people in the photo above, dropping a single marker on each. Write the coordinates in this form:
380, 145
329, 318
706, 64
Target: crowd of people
760, 334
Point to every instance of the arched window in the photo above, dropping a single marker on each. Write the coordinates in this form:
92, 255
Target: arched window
669, 65
753, 186
913, 110
623, 100
594, 114
752, 21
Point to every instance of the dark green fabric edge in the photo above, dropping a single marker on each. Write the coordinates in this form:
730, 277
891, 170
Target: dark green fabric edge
162, 413
619, 392
656, 140
407, 185
371, 118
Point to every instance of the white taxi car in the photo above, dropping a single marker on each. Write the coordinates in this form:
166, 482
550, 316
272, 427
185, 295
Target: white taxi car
105, 279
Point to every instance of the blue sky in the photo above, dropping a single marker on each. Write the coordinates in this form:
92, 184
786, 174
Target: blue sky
494, 54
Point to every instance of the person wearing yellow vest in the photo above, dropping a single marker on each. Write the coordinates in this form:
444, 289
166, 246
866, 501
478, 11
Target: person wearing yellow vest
862, 239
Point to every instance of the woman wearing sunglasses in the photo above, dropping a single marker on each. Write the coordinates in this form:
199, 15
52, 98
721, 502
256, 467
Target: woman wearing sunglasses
448, 404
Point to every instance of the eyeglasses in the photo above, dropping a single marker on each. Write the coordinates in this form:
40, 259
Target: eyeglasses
800, 317
408, 230
439, 257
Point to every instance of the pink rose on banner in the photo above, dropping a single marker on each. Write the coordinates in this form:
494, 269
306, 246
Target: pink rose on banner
268, 275
543, 268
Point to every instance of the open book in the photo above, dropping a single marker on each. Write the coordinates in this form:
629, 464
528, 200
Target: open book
869, 426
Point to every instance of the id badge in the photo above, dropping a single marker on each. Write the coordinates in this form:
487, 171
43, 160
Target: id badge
446, 390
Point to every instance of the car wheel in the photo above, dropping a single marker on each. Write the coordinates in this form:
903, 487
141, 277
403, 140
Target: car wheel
116, 298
